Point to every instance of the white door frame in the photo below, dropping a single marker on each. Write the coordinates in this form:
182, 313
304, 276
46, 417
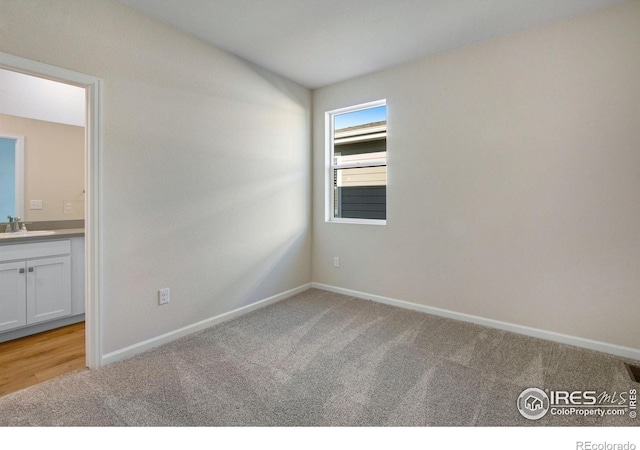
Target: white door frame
93, 172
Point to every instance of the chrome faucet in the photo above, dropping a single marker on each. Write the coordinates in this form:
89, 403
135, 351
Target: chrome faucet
14, 223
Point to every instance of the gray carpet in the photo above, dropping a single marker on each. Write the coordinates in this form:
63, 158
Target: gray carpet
323, 359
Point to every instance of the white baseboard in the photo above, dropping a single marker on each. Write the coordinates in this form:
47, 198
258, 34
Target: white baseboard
613, 349
149, 344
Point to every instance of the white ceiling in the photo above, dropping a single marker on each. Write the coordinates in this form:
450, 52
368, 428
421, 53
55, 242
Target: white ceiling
320, 42
37, 98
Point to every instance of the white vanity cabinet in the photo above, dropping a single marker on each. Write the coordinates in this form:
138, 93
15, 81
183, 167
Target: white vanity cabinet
13, 296
35, 283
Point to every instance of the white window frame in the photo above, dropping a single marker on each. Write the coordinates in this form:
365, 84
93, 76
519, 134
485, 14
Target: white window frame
330, 166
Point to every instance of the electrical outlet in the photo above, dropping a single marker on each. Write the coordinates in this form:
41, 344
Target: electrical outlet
35, 204
336, 261
163, 296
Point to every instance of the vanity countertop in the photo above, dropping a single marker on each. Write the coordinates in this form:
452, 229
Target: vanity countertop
55, 234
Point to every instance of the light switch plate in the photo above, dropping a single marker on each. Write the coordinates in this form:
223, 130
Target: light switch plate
35, 204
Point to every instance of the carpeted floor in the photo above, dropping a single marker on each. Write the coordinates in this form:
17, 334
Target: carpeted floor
323, 359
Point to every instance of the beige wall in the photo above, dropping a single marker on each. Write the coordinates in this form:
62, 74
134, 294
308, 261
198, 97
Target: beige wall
53, 166
513, 174
514, 181
205, 159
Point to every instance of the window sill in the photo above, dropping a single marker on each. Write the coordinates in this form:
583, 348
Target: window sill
358, 221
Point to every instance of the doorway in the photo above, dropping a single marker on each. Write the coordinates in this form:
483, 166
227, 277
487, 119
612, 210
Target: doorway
92, 207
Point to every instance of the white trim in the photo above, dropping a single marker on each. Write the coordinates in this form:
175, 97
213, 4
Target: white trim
613, 349
93, 222
359, 107
358, 221
163, 339
328, 173
93, 186
330, 166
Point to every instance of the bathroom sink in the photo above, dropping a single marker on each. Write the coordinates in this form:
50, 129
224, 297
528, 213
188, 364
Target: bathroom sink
18, 234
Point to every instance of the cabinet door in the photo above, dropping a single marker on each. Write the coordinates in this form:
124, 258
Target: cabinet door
13, 306
48, 289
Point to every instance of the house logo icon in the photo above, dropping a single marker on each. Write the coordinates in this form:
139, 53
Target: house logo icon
533, 403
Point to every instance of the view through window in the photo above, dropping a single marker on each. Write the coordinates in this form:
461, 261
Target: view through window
358, 168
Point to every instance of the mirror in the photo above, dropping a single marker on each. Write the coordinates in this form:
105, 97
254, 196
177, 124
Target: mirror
42, 126
11, 176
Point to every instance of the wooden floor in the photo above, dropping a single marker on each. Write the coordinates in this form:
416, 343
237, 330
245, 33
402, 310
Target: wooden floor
33, 359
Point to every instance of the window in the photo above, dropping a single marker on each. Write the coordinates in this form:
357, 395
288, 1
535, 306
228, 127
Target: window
357, 164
